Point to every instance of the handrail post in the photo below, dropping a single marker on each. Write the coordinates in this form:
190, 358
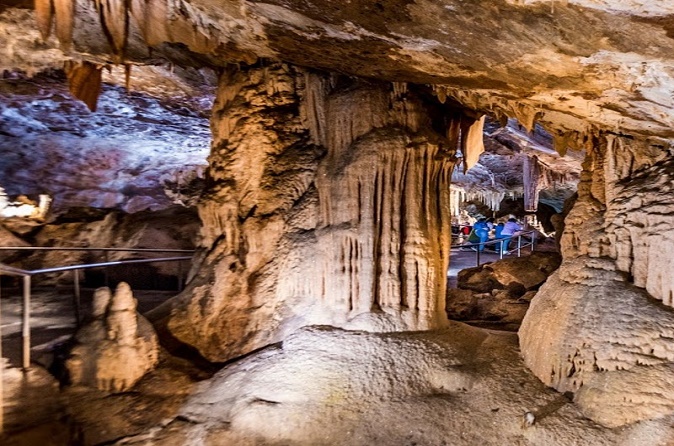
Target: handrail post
25, 329
519, 245
477, 254
2, 371
180, 275
533, 241
106, 280
76, 301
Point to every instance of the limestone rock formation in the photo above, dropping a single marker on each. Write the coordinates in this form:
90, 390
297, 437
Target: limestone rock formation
322, 386
596, 327
136, 154
327, 204
117, 347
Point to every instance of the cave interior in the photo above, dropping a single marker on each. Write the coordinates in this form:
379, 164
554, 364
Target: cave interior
309, 167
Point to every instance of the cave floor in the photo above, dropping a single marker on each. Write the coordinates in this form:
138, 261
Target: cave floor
37, 410
481, 398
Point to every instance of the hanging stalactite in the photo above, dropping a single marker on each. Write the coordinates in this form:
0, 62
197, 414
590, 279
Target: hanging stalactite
472, 140
114, 17
531, 179
44, 14
59, 14
151, 17
64, 18
84, 81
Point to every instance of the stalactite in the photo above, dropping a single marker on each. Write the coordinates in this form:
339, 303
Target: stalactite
457, 196
312, 109
560, 143
151, 17
531, 176
84, 79
526, 115
44, 13
490, 198
399, 90
64, 15
114, 18
441, 94
472, 140
127, 76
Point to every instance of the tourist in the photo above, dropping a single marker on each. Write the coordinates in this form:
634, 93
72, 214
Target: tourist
481, 229
511, 228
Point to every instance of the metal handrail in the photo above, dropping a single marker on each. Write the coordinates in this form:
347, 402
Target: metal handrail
520, 245
71, 248
96, 265
27, 275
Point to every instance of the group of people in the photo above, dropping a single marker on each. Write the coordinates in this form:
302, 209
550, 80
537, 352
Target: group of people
483, 227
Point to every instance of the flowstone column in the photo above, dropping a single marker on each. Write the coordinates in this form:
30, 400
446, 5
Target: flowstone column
595, 327
327, 203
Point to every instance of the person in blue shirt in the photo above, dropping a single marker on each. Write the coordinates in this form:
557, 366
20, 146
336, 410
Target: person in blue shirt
481, 229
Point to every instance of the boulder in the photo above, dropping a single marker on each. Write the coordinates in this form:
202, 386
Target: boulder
591, 332
500, 291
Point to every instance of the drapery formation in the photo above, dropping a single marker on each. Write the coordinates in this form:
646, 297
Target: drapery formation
328, 203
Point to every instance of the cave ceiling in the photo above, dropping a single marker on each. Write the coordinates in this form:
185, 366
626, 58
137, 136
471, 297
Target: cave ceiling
571, 65
574, 67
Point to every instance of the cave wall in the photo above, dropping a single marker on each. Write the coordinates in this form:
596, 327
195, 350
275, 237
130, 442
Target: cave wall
327, 203
602, 325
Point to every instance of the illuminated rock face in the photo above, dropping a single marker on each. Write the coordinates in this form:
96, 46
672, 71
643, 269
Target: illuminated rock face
328, 204
595, 328
117, 348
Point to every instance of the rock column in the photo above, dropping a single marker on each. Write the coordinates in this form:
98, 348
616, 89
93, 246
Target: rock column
596, 328
327, 203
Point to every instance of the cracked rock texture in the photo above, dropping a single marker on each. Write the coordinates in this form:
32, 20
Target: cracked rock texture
530, 60
117, 348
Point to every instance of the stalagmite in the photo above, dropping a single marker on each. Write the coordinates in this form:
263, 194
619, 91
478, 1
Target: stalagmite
531, 180
84, 79
117, 347
610, 343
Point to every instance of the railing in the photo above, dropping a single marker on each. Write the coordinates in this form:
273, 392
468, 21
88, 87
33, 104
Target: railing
27, 280
522, 243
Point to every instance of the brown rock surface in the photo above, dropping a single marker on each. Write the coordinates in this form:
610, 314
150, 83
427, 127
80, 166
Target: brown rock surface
349, 233
499, 292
